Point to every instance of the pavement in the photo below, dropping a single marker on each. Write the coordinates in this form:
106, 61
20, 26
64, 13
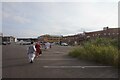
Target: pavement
53, 63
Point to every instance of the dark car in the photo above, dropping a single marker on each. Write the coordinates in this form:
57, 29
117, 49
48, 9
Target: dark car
4, 43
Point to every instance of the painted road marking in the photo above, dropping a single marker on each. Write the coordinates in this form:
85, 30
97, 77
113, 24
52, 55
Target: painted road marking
57, 59
77, 66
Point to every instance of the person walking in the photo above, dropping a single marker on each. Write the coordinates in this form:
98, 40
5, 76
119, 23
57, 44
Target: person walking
31, 52
47, 45
38, 50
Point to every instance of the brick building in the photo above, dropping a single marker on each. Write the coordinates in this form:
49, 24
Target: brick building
74, 39
80, 38
49, 38
105, 33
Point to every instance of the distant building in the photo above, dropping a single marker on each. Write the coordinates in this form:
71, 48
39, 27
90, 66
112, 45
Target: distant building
73, 39
105, 33
8, 39
27, 39
49, 38
80, 38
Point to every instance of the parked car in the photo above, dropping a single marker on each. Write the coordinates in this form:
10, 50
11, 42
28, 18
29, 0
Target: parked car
64, 44
8, 43
24, 42
4, 43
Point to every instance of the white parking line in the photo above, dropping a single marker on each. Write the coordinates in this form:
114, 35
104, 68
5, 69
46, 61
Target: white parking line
56, 59
76, 66
51, 55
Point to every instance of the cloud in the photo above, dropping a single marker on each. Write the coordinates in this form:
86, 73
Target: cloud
22, 20
59, 0
5, 15
13, 17
58, 18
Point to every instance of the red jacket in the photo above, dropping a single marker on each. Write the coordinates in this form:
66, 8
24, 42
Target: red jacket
37, 46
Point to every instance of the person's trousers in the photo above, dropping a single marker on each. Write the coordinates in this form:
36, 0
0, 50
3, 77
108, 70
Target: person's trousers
31, 57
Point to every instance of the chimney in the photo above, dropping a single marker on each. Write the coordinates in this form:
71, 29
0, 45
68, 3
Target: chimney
105, 28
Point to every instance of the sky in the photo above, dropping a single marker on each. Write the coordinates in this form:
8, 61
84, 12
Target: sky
32, 19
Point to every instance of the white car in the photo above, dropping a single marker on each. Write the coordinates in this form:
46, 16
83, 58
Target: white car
23, 42
64, 44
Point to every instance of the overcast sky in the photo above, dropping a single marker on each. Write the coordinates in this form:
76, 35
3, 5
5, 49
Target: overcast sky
32, 19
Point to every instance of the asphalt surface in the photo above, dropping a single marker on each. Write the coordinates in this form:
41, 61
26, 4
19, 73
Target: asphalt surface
53, 63
0, 61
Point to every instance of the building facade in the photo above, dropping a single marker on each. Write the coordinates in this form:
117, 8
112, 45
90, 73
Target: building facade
27, 39
74, 39
49, 38
105, 33
8, 39
81, 38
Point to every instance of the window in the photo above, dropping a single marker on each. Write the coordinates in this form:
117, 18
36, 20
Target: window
104, 33
108, 33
